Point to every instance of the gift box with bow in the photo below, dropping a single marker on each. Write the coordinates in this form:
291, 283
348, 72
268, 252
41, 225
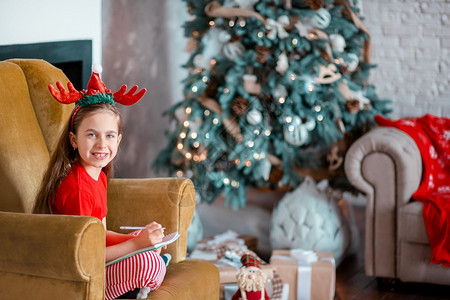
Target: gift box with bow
310, 274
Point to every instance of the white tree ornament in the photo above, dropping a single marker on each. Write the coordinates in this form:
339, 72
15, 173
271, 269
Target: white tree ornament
254, 117
337, 42
321, 18
246, 4
296, 132
276, 27
233, 50
352, 62
212, 46
282, 63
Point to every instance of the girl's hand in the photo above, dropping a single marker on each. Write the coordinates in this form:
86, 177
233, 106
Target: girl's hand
150, 236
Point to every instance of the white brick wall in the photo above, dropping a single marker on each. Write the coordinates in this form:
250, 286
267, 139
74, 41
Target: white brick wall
411, 46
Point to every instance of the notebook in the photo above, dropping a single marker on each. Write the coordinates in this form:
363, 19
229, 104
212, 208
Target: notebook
167, 239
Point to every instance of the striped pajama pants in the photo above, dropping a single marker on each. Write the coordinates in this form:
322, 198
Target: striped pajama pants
145, 269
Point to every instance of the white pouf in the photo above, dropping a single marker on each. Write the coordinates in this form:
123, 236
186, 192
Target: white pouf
310, 219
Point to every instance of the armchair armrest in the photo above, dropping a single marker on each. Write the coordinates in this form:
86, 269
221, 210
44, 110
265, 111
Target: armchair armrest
171, 202
396, 145
168, 201
51, 256
189, 279
385, 164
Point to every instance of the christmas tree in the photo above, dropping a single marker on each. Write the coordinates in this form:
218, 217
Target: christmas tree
276, 90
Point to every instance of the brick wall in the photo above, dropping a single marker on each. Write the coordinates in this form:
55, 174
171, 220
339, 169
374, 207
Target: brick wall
411, 46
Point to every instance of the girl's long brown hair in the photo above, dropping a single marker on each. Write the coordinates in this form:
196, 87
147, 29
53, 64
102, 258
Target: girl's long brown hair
65, 156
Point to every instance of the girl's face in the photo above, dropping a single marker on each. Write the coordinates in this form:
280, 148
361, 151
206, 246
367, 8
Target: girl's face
97, 141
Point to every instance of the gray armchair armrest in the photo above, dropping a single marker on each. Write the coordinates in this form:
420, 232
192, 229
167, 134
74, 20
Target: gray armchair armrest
385, 164
51, 257
396, 145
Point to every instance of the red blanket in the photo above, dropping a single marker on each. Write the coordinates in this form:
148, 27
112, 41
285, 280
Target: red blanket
432, 136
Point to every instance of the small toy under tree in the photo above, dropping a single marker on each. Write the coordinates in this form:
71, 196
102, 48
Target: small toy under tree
277, 89
251, 280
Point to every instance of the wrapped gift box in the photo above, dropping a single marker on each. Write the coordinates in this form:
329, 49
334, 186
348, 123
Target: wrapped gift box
225, 251
310, 275
227, 290
230, 239
214, 248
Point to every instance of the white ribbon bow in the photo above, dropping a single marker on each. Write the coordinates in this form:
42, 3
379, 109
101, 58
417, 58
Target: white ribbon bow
277, 27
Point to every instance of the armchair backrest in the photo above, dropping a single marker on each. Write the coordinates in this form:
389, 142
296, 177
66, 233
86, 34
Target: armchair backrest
30, 123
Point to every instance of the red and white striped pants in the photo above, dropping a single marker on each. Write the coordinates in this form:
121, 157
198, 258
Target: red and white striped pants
145, 269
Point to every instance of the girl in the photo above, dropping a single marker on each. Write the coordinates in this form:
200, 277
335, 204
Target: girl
75, 183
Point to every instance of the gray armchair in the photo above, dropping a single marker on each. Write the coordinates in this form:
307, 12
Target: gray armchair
385, 164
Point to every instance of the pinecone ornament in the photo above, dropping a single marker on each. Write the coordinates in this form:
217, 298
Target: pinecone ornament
276, 174
239, 106
262, 52
211, 89
314, 4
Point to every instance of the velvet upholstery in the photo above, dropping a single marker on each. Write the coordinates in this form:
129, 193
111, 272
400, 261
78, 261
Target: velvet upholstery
172, 204
385, 164
23, 155
47, 256
50, 115
62, 257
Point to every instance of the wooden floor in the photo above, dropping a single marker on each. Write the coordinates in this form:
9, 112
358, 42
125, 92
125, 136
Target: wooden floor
352, 283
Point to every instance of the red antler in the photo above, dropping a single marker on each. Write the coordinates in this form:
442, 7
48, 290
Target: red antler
63, 96
128, 98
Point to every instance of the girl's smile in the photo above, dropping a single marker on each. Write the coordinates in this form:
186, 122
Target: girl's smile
97, 141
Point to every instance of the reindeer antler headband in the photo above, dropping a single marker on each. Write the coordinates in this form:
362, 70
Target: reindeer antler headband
96, 93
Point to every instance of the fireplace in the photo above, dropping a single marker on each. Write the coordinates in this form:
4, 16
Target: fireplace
74, 58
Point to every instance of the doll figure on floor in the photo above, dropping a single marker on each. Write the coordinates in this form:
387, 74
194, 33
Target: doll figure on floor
251, 280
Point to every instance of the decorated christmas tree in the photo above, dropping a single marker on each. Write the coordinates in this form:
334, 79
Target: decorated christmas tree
276, 90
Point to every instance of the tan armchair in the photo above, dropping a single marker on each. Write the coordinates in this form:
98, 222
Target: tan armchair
385, 164
62, 257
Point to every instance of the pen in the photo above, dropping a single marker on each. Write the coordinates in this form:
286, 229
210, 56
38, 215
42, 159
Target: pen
135, 227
